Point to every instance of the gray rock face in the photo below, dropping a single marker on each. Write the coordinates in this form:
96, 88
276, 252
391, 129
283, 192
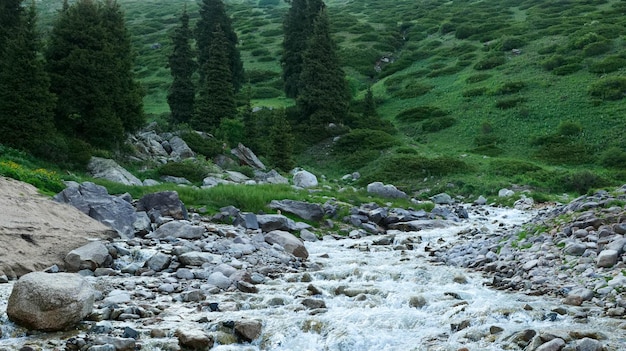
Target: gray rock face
89, 256
166, 202
246, 156
305, 179
103, 168
180, 149
50, 302
178, 229
95, 201
304, 210
247, 220
288, 241
385, 190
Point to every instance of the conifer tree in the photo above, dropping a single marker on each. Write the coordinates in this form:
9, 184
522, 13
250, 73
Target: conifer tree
10, 18
216, 99
297, 28
212, 14
281, 141
182, 92
89, 60
26, 104
324, 96
369, 105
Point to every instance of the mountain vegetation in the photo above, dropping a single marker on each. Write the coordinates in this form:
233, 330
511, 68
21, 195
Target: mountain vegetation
464, 97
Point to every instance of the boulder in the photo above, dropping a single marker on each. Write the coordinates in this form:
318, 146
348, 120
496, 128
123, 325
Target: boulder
89, 256
37, 233
248, 329
158, 262
177, 229
194, 339
304, 210
247, 220
442, 199
195, 258
505, 192
607, 258
50, 302
95, 201
166, 202
385, 190
267, 223
304, 179
247, 157
288, 241
102, 168
271, 177
180, 149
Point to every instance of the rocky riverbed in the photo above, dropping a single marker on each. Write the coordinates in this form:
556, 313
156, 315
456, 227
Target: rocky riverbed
397, 280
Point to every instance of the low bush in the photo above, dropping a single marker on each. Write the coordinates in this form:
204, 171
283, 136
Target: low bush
260, 52
597, 48
505, 104
510, 88
477, 78
363, 139
258, 76
420, 113
553, 62
609, 88
192, 170
510, 168
567, 69
487, 139
581, 182
203, 145
511, 43
47, 181
436, 124
474, 92
265, 93
548, 49
579, 40
614, 157
490, 62
608, 65
413, 90
569, 129
446, 71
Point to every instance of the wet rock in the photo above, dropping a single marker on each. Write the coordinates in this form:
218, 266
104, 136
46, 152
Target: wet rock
307, 235
607, 258
50, 302
417, 301
575, 249
288, 241
219, 279
588, 344
119, 344
90, 256
248, 330
494, 329
480, 201
313, 303
458, 326
193, 339
304, 210
552, 345
573, 300
247, 287
166, 202
193, 296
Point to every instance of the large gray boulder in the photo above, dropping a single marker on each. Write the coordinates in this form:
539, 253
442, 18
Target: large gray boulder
180, 149
385, 190
102, 168
90, 256
305, 179
246, 156
177, 229
304, 210
288, 241
166, 202
271, 177
50, 302
270, 222
94, 201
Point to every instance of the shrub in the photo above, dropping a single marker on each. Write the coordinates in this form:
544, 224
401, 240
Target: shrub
487, 139
579, 42
548, 49
43, 179
436, 124
490, 62
569, 128
257, 76
597, 48
568, 153
509, 103
203, 145
490, 150
265, 93
260, 52
581, 182
413, 90
474, 92
613, 157
268, 3
553, 62
420, 113
510, 168
477, 78
407, 167
191, 170
447, 27
445, 71
363, 139
609, 64
567, 69
510, 88
511, 43
465, 31
609, 89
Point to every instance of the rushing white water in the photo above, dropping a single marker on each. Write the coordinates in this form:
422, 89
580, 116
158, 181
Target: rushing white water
367, 291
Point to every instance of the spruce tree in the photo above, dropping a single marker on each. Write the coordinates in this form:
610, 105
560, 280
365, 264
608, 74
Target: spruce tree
212, 14
324, 96
369, 105
281, 142
182, 92
89, 60
26, 105
10, 18
216, 98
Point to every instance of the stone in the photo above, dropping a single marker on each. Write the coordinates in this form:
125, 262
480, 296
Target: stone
178, 229
505, 192
158, 262
307, 235
480, 201
248, 329
305, 210
417, 301
89, 256
271, 177
270, 222
180, 149
288, 241
102, 168
588, 344
247, 220
313, 303
246, 156
194, 339
196, 258
142, 224
237, 177
385, 190
304, 179
50, 302
552, 345
119, 344
166, 202
219, 279
442, 199
575, 249
607, 258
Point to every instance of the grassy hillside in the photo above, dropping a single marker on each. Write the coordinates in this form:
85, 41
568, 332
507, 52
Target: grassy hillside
484, 93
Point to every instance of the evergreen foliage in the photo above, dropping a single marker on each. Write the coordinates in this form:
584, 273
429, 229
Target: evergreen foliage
89, 60
216, 100
323, 96
281, 141
297, 28
10, 18
213, 14
182, 92
26, 105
